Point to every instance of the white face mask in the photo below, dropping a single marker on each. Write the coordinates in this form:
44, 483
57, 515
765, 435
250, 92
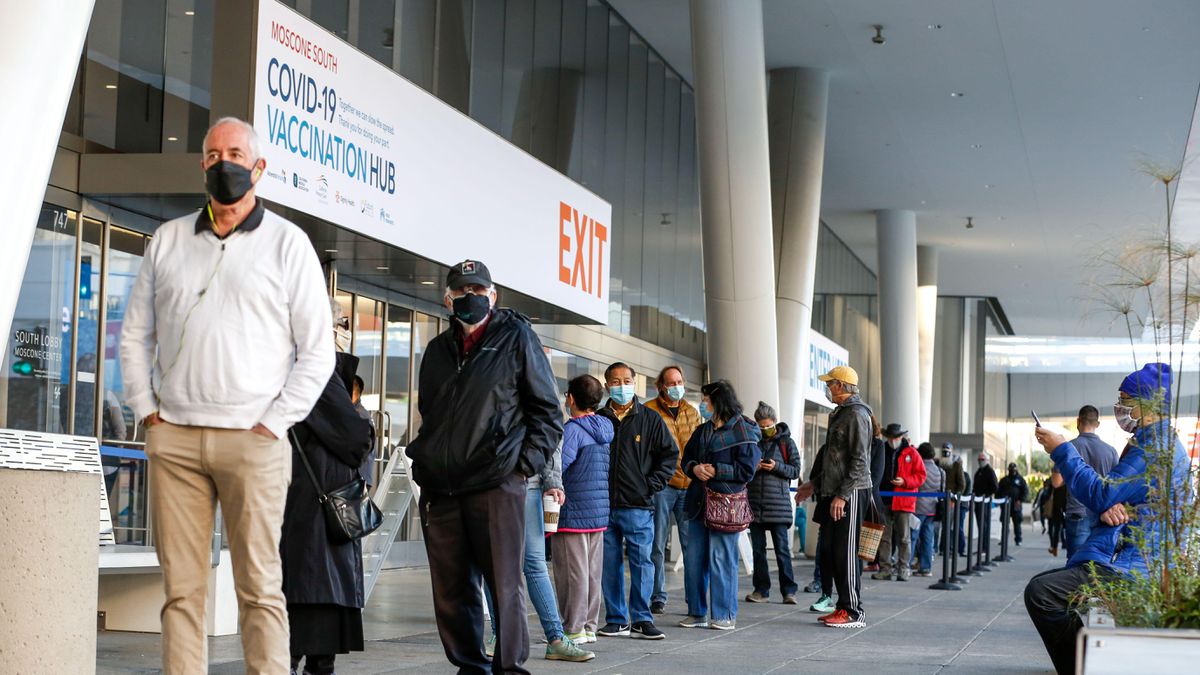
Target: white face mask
341, 337
1125, 419
894, 443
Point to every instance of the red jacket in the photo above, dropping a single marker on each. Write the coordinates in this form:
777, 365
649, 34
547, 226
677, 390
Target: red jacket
911, 469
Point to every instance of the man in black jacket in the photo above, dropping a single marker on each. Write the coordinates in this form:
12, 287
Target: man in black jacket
490, 419
1014, 488
985, 486
643, 458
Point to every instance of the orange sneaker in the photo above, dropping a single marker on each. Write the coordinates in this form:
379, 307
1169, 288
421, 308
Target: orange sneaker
841, 619
835, 614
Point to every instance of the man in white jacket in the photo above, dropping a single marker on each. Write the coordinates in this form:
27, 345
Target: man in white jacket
225, 345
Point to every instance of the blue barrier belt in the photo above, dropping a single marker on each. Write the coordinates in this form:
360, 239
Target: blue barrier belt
124, 453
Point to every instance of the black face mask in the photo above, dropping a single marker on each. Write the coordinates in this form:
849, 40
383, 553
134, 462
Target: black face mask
227, 182
472, 309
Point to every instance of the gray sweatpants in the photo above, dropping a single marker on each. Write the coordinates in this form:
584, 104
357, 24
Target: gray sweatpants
896, 525
578, 567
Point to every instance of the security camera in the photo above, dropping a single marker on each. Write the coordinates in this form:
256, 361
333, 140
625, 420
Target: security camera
878, 39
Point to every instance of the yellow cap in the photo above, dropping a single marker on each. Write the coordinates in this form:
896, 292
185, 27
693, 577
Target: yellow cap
841, 374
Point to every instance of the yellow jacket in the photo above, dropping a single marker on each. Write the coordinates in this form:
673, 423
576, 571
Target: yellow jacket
681, 427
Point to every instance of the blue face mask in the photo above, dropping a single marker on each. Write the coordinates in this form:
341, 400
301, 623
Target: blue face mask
621, 394
675, 393
705, 411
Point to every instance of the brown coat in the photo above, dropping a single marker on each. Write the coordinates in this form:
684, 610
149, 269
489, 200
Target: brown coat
681, 427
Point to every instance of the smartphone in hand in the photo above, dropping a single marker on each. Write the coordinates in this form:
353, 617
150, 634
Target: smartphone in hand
1037, 421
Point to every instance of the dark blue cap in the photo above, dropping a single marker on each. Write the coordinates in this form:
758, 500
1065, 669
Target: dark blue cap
1145, 383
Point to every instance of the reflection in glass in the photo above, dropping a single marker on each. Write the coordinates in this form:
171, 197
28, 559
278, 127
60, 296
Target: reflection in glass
368, 343
399, 344
87, 325
424, 329
125, 252
36, 372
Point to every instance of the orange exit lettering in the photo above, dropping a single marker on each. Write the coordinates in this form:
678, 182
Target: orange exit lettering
581, 244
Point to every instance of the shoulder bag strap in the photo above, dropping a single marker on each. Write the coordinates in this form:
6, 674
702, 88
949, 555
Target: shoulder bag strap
321, 496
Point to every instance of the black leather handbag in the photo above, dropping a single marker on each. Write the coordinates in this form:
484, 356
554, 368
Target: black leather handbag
349, 512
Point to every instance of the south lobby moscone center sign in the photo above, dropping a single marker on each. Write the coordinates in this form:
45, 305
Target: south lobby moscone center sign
349, 141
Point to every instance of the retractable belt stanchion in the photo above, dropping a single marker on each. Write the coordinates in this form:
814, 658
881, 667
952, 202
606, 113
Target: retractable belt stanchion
1006, 516
945, 584
955, 526
970, 571
987, 541
981, 533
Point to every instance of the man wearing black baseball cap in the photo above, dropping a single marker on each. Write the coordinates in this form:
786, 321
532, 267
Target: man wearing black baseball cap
490, 419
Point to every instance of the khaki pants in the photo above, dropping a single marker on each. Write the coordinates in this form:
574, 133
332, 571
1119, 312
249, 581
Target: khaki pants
191, 469
578, 568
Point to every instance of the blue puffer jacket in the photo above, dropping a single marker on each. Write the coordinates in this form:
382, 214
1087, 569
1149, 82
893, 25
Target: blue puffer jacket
585, 455
734, 453
1127, 483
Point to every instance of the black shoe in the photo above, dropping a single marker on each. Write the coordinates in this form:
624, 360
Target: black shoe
646, 631
658, 607
613, 630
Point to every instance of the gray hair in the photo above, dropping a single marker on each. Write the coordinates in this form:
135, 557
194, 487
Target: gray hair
851, 389
251, 134
335, 308
765, 412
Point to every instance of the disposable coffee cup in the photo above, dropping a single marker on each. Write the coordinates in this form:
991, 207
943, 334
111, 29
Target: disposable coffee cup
550, 508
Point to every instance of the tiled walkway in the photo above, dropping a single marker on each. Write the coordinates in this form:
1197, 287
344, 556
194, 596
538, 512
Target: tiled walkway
982, 629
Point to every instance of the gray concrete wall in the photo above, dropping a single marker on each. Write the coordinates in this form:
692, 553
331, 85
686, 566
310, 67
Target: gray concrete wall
49, 576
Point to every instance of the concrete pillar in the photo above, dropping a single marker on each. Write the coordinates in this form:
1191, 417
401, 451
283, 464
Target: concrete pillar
735, 196
796, 111
897, 236
48, 579
44, 40
926, 329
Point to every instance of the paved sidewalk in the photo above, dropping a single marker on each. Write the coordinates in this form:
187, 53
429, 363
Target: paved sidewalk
911, 629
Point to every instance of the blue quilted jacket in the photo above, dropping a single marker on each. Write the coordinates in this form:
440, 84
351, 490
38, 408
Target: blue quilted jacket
1126, 484
585, 457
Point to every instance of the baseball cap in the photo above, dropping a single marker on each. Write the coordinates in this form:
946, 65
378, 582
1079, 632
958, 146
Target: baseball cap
841, 374
466, 273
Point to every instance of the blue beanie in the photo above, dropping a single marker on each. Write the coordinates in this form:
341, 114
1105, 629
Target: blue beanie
1145, 383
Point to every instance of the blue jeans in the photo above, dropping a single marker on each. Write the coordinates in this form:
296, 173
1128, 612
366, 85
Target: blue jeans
923, 535
1078, 531
537, 579
711, 572
668, 502
634, 527
783, 559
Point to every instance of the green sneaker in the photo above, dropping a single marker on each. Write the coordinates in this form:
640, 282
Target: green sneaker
566, 650
591, 636
824, 605
580, 638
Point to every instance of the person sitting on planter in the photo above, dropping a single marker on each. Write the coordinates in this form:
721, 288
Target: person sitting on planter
1110, 549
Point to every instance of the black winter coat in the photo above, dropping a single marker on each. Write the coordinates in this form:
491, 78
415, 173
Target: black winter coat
643, 457
985, 481
879, 462
769, 491
335, 440
488, 414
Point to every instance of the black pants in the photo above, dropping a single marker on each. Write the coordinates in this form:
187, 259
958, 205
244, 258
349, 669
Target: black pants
783, 558
470, 538
1058, 533
1046, 599
841, 556
314, 664
1017, 518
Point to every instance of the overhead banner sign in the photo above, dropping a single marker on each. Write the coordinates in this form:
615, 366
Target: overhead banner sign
823, 355
349, 141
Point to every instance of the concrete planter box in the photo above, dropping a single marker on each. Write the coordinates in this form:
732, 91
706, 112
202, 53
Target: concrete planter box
1104, 648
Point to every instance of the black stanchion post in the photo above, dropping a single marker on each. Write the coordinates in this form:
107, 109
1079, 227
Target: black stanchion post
945, 584
970, 571
953, 536
981, 534
987, 541
1006, 514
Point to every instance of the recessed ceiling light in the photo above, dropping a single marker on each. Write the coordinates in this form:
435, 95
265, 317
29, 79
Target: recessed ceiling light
934, 26
189, 13
976, 146
988, 186
110, 86
172, 138
331, 250
957, 94
382, 268
427, 283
